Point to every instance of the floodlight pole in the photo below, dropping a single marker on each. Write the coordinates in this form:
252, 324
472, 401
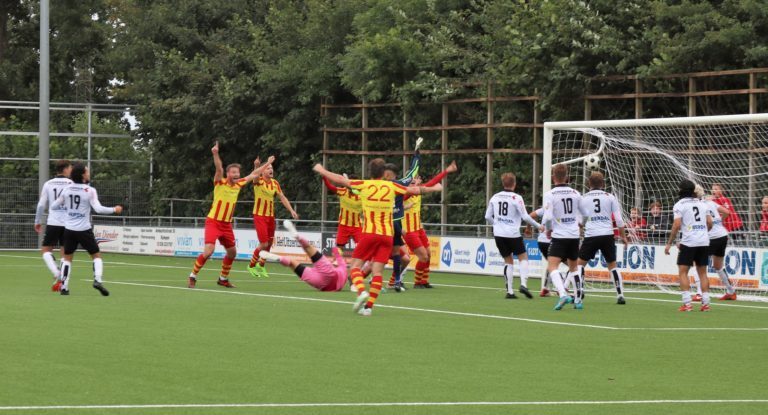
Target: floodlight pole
44, 116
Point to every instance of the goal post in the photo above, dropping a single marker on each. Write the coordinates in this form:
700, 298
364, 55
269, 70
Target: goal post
644, 160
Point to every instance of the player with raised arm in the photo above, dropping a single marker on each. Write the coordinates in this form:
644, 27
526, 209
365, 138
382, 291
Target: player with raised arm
265, 187
377, 196
506, 211
543, 241
218, 223
79, 199
323, 275
57, 216
718, 241
561, 217
350, 208
414, 234
599, 209
692, 216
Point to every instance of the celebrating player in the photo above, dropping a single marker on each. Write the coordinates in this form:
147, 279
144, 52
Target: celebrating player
324, 275
57, 216
561, 216
350, 208
78, 199
505, 212
718, 241
377, 196
599, 210
691, 215
218, 223
265, 187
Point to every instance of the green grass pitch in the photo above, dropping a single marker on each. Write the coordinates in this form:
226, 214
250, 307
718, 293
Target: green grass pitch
460, 348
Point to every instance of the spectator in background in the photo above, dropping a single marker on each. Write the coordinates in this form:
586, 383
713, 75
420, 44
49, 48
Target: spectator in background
732, 222
764, 221
658, 224
636, 226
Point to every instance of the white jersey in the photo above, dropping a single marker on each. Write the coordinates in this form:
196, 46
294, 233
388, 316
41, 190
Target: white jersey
693, 214
561, 206
542, 235
78, 200
506, 211
52, 189
718, 230
599, 209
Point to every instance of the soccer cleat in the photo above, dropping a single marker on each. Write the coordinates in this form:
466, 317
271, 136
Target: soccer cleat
269, 256
511, 296
64, 291
399, 287
427, 285
544, 293
365, 312
418, 286
56, 287
225, 283
704, 307
696, 298
258, 270
621, 301
728, 297
291, 228
578, 306
360, 300
686, 307
191, 282
525, 292
100, 288
562, 302
352, 288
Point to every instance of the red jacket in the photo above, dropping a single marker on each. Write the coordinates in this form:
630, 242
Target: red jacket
733, 221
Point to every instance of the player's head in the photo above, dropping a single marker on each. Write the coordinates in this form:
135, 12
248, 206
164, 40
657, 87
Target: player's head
686, 188
560, 173
634, 213
765, 203
233, 171
79, 173
717, 190
655, 208
596, 181
63, 168
417, 181
376, 168
269, 172
509, 181
698, 191
390, 171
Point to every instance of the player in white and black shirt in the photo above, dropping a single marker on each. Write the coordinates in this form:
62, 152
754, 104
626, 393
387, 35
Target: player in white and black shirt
54, 225
718, 241
506, 211
562, 217
598, 210
543, 241
692, 217
78, 199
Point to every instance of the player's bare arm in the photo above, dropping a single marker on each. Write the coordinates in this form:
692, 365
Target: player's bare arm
217, 162
333, 177
673, 234
259, 168
418, 190
287, 204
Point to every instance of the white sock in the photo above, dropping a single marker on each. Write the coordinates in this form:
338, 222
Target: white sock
697, 282
705, 298
509, 277
50, 262
524, 269
577, 284
568, 281
557, 281
686, 297
724, 279
618, 282
66, 272
98, 269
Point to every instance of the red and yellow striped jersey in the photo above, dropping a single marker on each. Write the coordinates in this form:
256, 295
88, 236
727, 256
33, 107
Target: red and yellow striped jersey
378, 200
264, 191
412, 219
350, 208
224, 199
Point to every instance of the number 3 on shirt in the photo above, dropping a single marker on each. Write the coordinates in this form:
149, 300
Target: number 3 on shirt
384, 191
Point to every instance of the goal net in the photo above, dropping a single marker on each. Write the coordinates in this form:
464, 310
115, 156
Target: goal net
643, 162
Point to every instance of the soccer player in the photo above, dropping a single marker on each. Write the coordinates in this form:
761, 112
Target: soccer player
691, 215
350, 208
543, 241
265, 187
718, 241
324, 275
414, 234
57, 216
218, 223
505, 212
561, 217
599, 210
78, 199
377, 196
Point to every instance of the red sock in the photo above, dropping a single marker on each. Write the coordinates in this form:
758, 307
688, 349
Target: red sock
226, 266
255, 258
374, 290
357, 279
199, 262
392, 279
419, 273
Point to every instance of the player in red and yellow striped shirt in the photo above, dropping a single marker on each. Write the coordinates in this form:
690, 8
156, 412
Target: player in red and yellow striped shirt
218, 223
377, 198
350, 209
414, 234
265, 188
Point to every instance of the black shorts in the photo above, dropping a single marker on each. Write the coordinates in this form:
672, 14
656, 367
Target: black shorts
717, 246
509, 246
54, 236
564, 248
544, 249
606, 244
83, 238
398, 237
689, 255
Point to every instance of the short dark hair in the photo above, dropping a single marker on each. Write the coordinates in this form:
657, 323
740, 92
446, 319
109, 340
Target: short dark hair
508, 180
686, 188
78, 170
596, 180
560, 172
376, 168
62, 165
391, 167
229, 166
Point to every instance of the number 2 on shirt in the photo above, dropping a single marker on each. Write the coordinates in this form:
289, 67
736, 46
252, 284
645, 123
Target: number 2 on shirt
384, 190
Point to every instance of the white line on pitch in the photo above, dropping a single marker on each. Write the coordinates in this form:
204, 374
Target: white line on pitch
389, 404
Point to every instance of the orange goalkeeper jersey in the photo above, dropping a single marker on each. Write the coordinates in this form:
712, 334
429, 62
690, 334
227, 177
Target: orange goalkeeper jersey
224, 199
264, 191
378, 200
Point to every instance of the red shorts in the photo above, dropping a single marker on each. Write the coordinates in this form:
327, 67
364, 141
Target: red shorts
372, 247
344, 233
416, 239
219, 230
265, 228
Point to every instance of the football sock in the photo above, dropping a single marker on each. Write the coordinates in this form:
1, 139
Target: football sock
285, 261
557, 281
357, 279
726, 282
524, 270
686, 297
396, 266
697, 282
66, 271
199, 262
618, 282
509, 277
303, 241
418, 275
98, 269
577, 284
50, 262
255, 258
705, 298
226, 266
374, 291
